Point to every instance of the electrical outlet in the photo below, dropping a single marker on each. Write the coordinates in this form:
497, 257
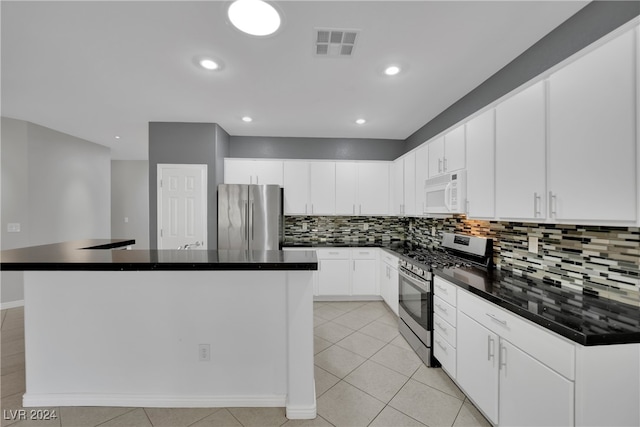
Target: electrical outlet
365, 227
533, 244
304, 226
204, 352
433, 231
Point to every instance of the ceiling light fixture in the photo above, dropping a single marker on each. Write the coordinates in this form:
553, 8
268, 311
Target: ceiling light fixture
209, 64
254, 17
247, 119
117, 137
392, 70
361, 121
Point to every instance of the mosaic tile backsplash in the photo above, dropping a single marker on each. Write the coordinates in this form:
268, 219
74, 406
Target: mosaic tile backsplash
598, 260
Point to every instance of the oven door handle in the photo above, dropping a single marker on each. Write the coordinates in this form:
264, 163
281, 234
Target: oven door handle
418, 284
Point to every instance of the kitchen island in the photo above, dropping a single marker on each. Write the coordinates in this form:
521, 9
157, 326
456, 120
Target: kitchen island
167, 328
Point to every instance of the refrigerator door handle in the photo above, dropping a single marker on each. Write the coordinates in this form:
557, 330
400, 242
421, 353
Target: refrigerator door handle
252, 213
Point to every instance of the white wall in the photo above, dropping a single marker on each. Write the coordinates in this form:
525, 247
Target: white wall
130, 200
58, 187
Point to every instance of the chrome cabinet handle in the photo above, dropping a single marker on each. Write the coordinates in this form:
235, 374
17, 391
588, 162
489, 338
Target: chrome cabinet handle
444, 164
441, 346
439, 165
445, 330
311, 208
552, 204
503, 356
493, 317
443, 289
441, 308
490, 347
536, 205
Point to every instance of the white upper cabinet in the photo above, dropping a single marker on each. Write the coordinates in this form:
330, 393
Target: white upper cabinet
322, 187
592, 135
403, 185
421, 173
252, 171
447, 153
436, 156
296, 187
309, 187
373, 188
346, 188
397, 187
480, 165
520, 155
362, 188
409, 206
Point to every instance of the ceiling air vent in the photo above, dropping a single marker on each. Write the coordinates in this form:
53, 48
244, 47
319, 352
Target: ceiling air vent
334, 42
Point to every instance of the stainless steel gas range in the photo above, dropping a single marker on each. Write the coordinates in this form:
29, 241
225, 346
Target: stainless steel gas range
415, 272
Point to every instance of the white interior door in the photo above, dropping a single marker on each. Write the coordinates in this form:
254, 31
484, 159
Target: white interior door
182, 206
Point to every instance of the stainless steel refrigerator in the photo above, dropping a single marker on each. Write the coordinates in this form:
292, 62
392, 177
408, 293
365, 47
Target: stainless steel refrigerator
250, 217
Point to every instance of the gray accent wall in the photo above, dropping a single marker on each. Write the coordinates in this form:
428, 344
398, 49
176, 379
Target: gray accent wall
56, 186
315, 148
130, 201
187, 143
589, 24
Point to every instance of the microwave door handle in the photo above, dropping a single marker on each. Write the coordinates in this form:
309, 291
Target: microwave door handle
447, 196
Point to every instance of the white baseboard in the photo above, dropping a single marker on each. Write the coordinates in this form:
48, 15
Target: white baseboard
364, 298
11, 304
151, 400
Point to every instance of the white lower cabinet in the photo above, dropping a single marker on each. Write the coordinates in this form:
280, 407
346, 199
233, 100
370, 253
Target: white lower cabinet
444, 325
364, 272
500, 367
388, 274
334, 271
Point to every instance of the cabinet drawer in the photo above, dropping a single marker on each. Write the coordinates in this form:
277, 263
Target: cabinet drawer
388, 258
358, 253
445, 330
445, 353
539, 343
334, 253
444, 310
445, 290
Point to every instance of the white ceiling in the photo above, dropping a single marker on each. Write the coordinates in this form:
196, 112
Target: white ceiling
100, 69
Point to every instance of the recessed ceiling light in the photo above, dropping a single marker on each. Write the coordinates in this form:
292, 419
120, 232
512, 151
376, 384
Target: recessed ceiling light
117, 137
392, 70
254, 17
209, 64
247, 119
361, 121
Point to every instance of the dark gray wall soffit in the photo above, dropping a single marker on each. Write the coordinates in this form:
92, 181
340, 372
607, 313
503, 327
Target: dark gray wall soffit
315, 148
589, 24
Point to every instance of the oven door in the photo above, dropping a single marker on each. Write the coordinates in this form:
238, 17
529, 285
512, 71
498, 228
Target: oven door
416, 299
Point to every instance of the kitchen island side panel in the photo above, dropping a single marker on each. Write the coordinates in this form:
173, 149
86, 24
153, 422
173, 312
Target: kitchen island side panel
133, 338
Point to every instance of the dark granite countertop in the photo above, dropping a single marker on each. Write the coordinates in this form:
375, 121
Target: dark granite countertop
583, 318
104, 255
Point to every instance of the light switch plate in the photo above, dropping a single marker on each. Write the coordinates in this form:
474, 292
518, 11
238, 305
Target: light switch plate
533, 244
13, 227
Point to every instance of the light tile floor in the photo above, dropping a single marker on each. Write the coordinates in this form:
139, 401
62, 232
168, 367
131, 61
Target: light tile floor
366, 375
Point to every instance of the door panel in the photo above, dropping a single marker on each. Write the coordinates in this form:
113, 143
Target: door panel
182, 206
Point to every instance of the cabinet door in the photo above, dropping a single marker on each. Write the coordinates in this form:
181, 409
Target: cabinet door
477, 370
592, 135
237, 171
397, 187
409, 207
346, 188
268, 172
422, 173
520, 155
394, 292
524, 380
333, 277
363, 277
296, 188
436, 157
480, 166
454, 149
373, 188
323, 188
